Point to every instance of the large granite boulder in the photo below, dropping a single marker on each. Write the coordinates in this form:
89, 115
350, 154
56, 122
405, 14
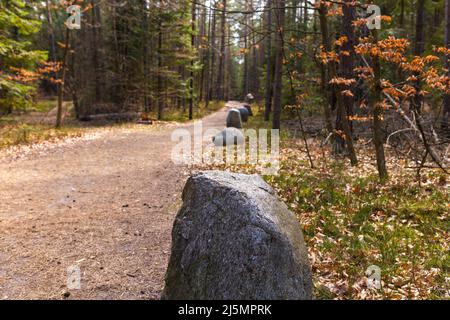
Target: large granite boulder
244, 114
234, 119
234, 239
229, 137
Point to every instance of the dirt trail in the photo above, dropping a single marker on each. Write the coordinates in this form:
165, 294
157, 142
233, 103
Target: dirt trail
105, 204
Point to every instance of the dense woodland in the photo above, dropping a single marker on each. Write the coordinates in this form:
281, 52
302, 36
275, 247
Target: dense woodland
366, 110
320, 56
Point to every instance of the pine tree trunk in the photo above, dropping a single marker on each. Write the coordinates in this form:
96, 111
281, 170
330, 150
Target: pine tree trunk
419, 48
159, 77
325, 77
347, 66
305, 14
246, 62
278, 78
377, 113
145, 51
269, 74
402, 14
220, 74
446, 120
191, 81
337, 90
62, 80
254, 72
50, 87
210, 95
203, 54
95, 52
207, 83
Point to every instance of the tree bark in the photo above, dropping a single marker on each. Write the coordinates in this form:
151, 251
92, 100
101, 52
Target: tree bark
254, 71
347, 66
95, 51
212, 48
51, 88
324, 69
278, 78
220, 75
419, 48
191, 80
145, 49
269, 73
203, 54
338, 93
62, 80
305, 14
446, 120
402, 14
159, 78
377, 114
246, 62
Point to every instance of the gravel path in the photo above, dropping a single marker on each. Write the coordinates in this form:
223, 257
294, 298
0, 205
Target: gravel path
104, 203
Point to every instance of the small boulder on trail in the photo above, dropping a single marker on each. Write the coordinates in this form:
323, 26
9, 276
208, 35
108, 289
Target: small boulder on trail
229, 137
249, 109
244, 114
233, 239
234, 119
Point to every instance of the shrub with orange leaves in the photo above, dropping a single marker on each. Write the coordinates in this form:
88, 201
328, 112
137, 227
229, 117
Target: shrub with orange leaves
342, 82
418, 69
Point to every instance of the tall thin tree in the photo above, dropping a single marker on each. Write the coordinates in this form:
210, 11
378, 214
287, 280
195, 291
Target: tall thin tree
269, 68
446, 120
278, 77
222, 50
191, 80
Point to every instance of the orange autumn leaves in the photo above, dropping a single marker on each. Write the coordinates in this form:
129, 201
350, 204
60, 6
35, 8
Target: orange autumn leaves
362, 21
46, 71
426, 70
390, 49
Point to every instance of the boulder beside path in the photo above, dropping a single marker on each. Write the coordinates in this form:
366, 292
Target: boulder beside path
233, 239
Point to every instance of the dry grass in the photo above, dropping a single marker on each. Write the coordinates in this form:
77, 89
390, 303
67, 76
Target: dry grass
37, 125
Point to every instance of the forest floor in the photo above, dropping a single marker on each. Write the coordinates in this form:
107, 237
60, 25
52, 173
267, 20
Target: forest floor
353, 224
104, 201
37, 124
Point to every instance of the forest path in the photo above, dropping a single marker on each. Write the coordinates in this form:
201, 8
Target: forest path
105, 204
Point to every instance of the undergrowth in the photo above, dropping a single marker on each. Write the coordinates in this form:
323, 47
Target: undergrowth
351, 221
